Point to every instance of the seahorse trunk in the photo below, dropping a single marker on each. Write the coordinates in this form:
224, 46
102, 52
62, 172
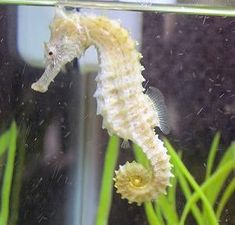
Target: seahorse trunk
126, 111
119, 81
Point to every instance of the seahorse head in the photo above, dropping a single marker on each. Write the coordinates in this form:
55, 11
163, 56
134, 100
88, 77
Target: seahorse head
68, 40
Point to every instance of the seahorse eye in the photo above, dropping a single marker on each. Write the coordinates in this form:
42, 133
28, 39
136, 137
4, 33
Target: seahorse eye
50, 53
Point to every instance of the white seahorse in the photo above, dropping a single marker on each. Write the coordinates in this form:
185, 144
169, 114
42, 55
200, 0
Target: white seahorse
127, 112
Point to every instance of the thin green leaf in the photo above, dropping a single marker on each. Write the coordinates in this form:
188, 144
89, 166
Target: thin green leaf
111, 157
178, 163
150, 213
8, 174
229, 154
213, 192
187, 193
140, 156
166, 204
168, 212
225, 197
4, 142
159, 214
17, 179
208, 183
212, 154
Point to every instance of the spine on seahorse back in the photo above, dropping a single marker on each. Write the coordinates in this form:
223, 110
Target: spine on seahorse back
126, 111
119, 80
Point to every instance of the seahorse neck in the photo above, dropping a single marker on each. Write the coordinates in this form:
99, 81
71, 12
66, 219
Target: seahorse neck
116, 49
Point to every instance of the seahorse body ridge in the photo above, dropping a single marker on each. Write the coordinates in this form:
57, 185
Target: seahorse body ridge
127, 112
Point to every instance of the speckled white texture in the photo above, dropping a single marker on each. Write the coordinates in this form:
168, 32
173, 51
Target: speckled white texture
127, 112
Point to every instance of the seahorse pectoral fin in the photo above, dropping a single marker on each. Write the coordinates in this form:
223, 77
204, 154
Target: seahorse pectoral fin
160, 107
125, 144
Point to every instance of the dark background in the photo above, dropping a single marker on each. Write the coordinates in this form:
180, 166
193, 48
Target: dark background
189, 58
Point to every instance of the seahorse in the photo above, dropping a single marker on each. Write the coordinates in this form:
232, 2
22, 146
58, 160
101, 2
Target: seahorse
127, 111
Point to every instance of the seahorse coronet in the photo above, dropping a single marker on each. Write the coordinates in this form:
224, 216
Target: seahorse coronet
126, 110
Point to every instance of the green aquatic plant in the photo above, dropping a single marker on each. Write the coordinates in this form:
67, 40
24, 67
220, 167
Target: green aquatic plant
7, 144
11, 173
200, 199
107, 181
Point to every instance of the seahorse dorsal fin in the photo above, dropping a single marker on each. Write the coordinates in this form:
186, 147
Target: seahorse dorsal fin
160, 107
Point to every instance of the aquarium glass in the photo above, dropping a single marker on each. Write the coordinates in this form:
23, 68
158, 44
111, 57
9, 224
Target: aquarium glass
57, 164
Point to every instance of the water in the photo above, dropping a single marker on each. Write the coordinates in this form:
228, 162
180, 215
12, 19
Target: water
54, 175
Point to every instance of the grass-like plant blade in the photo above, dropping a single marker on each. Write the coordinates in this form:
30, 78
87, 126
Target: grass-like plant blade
178, 163
140, 156
111, 157
225, 197
150, 213
212, 154
171, 199
213, 192
18, 174
168, 212
4, 142
8, 174
229, 154
159, 214
208, 183
187, 193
